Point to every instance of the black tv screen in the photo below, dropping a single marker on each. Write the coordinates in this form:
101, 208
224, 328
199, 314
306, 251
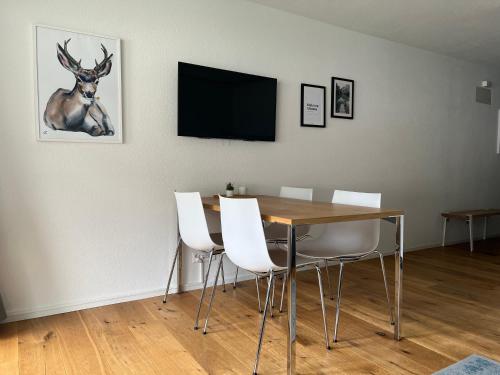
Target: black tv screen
215, 103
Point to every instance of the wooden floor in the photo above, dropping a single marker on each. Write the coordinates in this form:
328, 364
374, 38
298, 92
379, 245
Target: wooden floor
451, 310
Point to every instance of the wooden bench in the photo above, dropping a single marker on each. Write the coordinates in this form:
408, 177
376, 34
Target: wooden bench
469, 216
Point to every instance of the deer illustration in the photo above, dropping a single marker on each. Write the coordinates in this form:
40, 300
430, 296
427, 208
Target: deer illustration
78, 110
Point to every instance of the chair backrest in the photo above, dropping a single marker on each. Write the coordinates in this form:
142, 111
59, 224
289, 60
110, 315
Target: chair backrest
243, 235
356, 236
353, 237
192, 221
357, 199
296, 193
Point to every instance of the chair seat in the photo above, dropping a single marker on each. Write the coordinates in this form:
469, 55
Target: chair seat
313, 249
279, 257
276, 232
284, 240
330, 254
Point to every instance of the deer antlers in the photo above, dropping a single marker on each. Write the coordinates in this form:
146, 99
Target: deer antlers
104, 66
101, 69
66, 59
70, 58
99, 66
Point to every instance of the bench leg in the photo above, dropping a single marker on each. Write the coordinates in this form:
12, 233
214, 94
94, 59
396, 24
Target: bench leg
485, 227
471, 234
445, 221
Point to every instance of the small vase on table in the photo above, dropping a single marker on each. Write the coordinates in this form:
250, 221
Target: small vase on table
229, 189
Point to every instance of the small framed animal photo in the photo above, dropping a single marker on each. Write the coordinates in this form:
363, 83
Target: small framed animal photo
77, 86
312, 108
342, 105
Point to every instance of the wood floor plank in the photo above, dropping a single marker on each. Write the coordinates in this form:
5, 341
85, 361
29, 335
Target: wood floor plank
9, 349
31, 354
450, 310
208, 350
167, 356
79, 353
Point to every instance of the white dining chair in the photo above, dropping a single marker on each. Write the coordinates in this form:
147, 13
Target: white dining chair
296, 193
246, 247
276, 233
348, 242
193, 230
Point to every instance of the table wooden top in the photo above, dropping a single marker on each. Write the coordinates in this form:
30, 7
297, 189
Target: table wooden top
301, 212
467, 213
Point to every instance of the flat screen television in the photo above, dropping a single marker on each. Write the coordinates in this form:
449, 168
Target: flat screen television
216, 103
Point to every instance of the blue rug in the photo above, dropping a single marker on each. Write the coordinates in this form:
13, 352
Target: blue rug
472, 365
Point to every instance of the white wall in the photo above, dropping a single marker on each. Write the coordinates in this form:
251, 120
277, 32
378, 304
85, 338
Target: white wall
84, 224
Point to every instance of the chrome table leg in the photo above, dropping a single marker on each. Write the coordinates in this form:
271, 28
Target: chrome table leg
291, 286
398, 277
203, 291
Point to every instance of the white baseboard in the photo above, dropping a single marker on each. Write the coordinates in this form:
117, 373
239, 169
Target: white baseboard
16, 315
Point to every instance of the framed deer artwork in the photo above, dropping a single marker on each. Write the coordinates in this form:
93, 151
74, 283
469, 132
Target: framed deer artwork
77, 86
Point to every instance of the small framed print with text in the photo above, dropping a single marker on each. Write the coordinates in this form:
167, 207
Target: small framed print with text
342, 105
312, 107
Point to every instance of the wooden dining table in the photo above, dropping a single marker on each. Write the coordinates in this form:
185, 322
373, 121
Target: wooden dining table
294, 213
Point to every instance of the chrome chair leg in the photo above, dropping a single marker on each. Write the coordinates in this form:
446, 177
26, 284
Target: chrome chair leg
339, 291
219, 267
172, 270
282, 292
330, 286
272, 299
325, 326
203, 291
391, 315
262, 326
223, 279
236, 277
258, 292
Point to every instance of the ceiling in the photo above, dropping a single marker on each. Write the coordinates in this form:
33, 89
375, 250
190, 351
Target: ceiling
466, 29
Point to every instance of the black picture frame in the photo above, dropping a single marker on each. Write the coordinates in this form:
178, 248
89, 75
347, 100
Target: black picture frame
302, 98
337, 112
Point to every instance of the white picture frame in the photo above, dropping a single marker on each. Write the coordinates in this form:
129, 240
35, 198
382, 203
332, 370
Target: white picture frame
60, 79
